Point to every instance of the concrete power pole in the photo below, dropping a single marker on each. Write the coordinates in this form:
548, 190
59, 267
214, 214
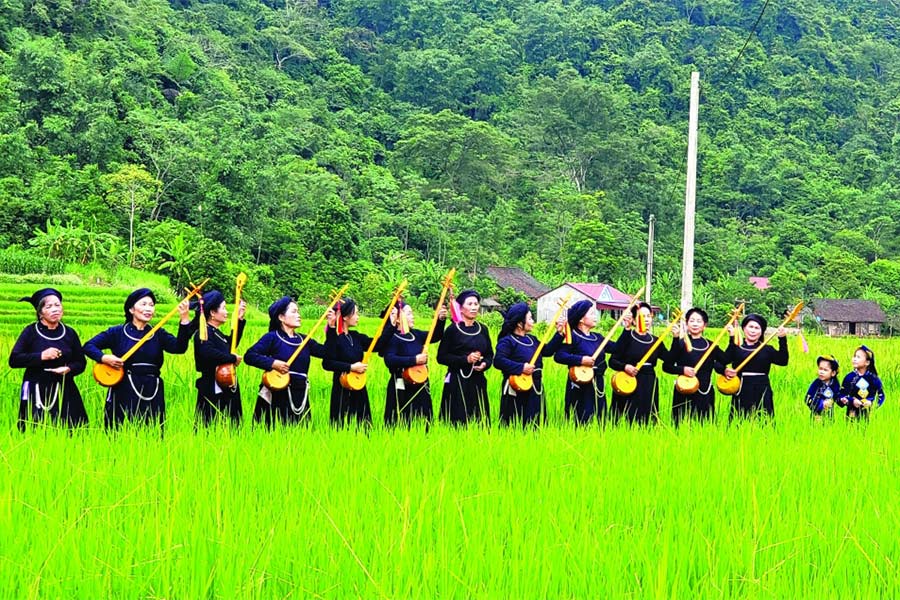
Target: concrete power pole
650, 258
690, 196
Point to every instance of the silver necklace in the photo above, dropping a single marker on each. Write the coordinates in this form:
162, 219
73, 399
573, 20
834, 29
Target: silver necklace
220, 336
298, 410
696, 347
459, 327
640, 341
591, 337
139, 394
47, 337
517, 340
288, 341
125, 331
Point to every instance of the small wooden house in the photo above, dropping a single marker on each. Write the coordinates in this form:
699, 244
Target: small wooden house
489, 305
862, 318
519, 280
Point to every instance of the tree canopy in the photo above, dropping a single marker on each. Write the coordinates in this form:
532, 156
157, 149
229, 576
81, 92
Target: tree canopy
318, 142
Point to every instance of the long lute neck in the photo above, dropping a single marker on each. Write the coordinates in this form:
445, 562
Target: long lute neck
549, 333
766, 341
616, 325
437, 310
387, 315
236, 318
718, 339
657, 343
755, 351
316, 326
162, 322
540, 347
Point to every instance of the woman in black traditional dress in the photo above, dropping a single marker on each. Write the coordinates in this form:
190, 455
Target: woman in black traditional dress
754, 397
214, 400
407, 400
290, 405
681, 361
515, 348
584, 401
467, 353
642, 406
344, 352
52, 356
140, 396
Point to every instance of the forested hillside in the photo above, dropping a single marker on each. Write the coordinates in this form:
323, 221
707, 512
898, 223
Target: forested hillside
365, 140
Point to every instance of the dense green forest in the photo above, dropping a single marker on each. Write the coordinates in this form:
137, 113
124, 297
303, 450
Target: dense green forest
366, 140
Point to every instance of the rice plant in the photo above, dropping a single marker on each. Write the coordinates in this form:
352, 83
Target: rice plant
798, 509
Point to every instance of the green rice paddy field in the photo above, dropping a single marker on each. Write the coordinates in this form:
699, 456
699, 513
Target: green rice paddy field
796, 510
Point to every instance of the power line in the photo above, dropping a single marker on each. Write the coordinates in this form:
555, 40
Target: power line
747, 41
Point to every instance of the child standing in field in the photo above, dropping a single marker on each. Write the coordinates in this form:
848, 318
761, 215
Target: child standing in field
823, 392
862, 387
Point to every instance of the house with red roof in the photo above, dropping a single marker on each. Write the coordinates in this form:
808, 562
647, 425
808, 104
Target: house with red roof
603, 295
760, 283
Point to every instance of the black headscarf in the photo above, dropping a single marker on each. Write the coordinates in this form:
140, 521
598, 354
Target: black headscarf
463, 295
133, 298
35, 298
212, 300
276, 309
347, 306
517, 313
759, 319
577, 311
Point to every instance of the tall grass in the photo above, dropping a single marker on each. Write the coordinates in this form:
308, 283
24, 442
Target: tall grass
800, 509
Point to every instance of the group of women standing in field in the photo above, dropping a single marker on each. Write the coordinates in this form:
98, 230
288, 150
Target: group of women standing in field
133, 352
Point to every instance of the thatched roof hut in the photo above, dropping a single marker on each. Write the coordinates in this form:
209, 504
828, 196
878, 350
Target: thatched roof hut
517, 279
862, 318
